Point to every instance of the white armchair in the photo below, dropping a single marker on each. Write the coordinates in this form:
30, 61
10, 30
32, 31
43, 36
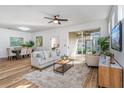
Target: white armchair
92, 60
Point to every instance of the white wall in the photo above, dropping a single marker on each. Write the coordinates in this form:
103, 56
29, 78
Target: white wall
119, 14
5, 34
47, 35
63, 33
119, 56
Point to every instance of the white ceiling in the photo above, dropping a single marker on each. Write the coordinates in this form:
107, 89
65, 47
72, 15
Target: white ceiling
12, 17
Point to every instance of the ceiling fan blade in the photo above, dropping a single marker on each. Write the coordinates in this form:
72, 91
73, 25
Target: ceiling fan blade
59, 23
63, 19
48, 18
50, 22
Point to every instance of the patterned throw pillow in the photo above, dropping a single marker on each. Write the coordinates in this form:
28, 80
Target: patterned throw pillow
53, 54
38, 55
35, 54
47, 54
58, 52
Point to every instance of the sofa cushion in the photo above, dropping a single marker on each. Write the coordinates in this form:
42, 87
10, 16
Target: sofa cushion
53, 54
47, 54
34, 54
39, 54
58, 52
49, 60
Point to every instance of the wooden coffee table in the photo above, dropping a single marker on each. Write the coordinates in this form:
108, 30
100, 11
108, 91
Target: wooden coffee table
62, 66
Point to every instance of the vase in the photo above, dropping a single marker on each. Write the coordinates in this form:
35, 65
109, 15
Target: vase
111, 60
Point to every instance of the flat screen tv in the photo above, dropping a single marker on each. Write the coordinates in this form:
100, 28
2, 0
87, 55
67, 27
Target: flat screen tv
116, 37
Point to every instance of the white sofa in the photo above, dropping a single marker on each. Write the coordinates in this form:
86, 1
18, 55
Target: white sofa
43, 58
92, 60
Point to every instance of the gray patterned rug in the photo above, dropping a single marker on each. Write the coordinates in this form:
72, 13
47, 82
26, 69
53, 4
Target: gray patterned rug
73, 78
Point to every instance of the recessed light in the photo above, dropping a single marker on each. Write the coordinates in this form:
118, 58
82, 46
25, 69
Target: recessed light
24, 28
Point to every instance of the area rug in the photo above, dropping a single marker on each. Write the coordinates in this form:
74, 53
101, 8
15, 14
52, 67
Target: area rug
47, 78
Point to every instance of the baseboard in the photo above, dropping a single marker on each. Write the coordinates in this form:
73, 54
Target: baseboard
3, 59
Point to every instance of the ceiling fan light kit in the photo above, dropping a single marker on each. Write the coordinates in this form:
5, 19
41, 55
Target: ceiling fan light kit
55, 21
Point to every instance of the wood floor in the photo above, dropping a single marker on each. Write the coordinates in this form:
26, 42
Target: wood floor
91, 81
11, 75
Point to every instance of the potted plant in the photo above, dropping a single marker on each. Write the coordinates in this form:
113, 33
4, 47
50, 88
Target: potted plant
111, 55
23, 45
93, 52
64, 57
30, 44
103, 42
84, 51
79, 51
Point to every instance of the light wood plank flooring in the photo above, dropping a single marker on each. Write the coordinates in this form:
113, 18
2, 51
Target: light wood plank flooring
11, 73
91, 81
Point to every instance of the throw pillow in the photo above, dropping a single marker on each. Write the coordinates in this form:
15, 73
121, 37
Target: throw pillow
53, 54
47, 54
40, 55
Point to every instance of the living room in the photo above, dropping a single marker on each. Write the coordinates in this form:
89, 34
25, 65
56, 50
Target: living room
35, 27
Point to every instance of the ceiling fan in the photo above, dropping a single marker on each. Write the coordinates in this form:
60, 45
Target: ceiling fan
56, 19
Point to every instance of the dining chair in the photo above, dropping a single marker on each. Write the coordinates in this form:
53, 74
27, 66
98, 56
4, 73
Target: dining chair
29, 51
23, 52
10, 53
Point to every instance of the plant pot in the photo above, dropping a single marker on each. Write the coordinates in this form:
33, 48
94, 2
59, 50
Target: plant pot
79, 52
103, 56
111, 60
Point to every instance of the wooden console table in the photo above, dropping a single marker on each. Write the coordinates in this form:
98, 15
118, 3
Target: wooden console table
109, 75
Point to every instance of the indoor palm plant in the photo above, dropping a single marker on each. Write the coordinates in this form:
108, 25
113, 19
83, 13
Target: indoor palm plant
103, 42
93, 52
84, 51
30, 44
79, 50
